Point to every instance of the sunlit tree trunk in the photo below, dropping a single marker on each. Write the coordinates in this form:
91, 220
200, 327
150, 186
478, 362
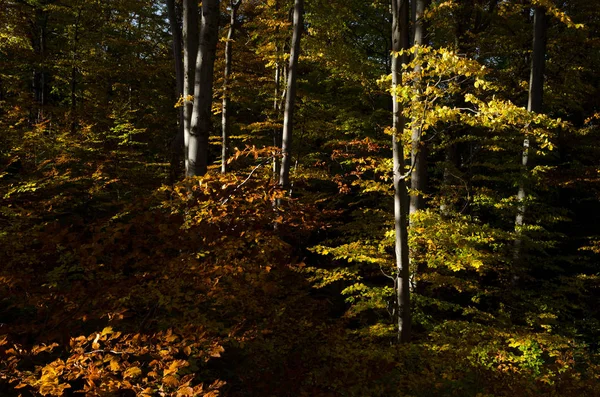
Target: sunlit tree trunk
290, 98
276, 106
536, 93
418, 150
203, 89
276, 131
190, 49
225, 113
177, 142
400, 41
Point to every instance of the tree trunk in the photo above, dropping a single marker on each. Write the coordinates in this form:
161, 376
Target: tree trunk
203, 89
536, 92
72, 117
400, 41
225, 115
418, 178
40, 74
276, 103
177, 141
290, 97
276, 131
190, 50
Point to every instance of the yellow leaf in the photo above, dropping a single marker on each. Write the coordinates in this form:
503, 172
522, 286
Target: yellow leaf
147, 392
132, 372
185, 391
95, 344
172, 368
216, 352
114, 365
476, 264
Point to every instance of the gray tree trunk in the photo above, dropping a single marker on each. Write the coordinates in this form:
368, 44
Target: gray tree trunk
177, 141
190, 50
418, 178
276, 104
276, 131
225, 113
290, 98
536, 93
400, 41
203, 89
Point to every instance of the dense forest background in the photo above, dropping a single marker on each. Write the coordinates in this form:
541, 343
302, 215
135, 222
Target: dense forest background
289, 198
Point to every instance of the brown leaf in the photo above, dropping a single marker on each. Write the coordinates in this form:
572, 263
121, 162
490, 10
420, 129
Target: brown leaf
185, 391
171, 380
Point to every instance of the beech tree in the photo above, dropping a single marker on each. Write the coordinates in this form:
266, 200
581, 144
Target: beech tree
400, 38
177, 142
290, 95
233, 7
200, 125
418, 148
534, 104
190, 39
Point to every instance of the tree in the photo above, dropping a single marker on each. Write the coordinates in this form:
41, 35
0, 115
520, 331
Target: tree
290, 96
197, 161
534, 104
400, 43
418, 148
177, 142
233, 5
190, 50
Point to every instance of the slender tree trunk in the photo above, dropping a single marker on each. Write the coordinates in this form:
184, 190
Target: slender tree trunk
450, 165
276, 131
225, 114
400, 33
72, 116
203, 89
276, 102
290, 98
177, 142
190, 50
40, 74
536, 93
418, 178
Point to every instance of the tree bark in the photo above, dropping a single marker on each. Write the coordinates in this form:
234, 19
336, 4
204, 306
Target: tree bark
190, 50
225, 113
400, 41
418, 178
203, 89
177, 141
536, 93
290, 98
276, 107
276, 131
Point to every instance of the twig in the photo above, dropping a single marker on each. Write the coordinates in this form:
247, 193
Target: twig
104, 351
386, 275
243, 183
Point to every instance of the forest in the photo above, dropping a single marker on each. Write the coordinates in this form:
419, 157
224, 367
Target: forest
300, 198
